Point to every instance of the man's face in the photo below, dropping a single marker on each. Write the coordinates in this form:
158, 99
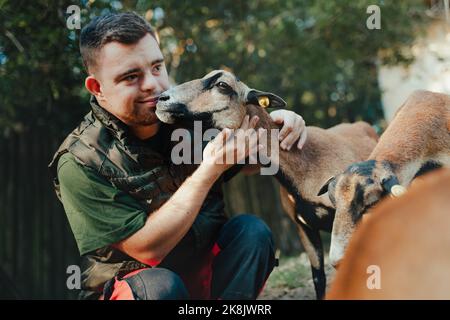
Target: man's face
131, 78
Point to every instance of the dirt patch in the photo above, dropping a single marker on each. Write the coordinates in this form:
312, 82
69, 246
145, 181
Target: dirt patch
292, 280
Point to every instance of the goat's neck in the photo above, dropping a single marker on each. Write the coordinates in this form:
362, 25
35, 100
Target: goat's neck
286, 159
292, 164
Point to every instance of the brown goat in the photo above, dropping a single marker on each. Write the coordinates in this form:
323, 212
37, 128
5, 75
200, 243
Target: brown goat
220, 101
407, 239
417, 141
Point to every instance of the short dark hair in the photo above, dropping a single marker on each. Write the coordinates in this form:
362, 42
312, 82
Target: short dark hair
127, 28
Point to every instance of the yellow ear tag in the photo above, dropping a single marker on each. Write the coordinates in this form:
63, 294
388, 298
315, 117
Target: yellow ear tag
263, 101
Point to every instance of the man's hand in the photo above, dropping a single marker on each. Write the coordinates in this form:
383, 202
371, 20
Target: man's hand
229, 148
293, 128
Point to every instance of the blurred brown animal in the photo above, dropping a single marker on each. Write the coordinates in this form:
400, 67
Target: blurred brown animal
417, 141
408, 238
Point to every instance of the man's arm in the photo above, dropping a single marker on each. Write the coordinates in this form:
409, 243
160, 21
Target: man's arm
166, 226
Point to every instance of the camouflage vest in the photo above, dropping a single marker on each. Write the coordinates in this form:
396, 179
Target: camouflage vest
104, 144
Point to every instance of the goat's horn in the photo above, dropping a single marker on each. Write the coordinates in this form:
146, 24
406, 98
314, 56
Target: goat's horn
397, 190
264, 101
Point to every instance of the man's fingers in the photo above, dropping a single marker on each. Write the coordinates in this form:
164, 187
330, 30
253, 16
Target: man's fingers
253, 148
251, 139
278, 120
244, 141
302, 140
253, 122
288, 126
293, 136
226, 134
261, 133
245, 123
237, 145
240, 146
277, 116
221, 139
287, 141
253, 153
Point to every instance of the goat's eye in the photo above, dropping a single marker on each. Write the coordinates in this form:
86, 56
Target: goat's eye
223, 85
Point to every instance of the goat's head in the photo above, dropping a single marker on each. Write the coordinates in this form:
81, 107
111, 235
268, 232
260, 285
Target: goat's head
218, 99
352, 193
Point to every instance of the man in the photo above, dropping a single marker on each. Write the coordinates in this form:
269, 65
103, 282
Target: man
146, 228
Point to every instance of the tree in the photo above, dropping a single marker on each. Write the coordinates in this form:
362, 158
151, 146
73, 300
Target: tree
318, 55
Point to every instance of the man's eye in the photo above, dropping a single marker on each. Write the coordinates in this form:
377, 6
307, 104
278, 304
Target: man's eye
131, 77
223, 85
157, 68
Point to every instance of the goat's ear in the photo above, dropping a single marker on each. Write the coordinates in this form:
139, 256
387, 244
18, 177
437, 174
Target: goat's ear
264, 99
324, 188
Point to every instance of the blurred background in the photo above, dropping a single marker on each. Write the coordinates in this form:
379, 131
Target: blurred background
318, 55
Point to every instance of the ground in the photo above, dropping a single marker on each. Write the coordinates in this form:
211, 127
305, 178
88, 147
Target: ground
292, 280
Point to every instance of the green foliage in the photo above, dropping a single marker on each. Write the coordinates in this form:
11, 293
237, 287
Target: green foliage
318, 55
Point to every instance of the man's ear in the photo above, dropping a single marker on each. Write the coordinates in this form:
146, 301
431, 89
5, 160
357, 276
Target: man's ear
93, 86
264, 99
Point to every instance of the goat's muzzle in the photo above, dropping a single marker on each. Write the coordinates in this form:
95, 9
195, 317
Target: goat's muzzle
164, 97
168, 111
173, 108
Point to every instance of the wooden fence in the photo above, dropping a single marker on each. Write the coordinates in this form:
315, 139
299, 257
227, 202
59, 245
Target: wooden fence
36, 244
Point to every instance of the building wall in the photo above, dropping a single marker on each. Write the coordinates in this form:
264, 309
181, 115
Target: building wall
430, 70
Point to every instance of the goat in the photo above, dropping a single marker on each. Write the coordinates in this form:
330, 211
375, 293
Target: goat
416, 141
407, 239
220, 100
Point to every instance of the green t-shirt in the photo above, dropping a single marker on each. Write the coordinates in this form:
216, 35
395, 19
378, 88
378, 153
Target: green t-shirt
99, 214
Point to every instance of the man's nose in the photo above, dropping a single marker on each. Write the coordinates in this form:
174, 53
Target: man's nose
150, 83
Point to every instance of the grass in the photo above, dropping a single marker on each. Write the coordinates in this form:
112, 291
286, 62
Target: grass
292, 279
292, 273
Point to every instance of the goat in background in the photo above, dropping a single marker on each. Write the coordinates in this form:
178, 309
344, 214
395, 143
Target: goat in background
408, 240
416, 141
